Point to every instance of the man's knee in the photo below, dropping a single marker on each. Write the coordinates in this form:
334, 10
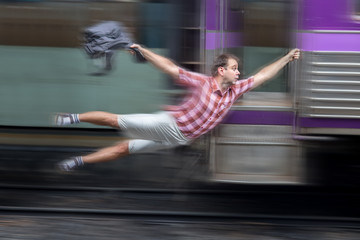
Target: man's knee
112, 120
122, 148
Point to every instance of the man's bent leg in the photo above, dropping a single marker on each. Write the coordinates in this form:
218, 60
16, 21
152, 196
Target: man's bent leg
108, 154
103, 155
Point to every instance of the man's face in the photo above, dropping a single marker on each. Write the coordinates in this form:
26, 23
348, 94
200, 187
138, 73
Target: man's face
231, 72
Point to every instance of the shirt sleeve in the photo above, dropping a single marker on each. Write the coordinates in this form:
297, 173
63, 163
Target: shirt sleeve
244, 85
187, 78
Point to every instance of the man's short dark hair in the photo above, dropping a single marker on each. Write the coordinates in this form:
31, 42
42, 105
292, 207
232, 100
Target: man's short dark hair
222, 61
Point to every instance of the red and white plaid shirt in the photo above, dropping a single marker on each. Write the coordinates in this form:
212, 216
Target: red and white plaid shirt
205, 105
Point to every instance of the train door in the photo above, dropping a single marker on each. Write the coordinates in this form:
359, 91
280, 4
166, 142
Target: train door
329, 88
254, 144
329, 93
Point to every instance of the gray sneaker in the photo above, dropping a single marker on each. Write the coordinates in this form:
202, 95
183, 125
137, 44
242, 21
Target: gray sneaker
70, 164
61, 119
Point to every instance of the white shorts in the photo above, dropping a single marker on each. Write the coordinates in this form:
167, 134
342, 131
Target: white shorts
151, 132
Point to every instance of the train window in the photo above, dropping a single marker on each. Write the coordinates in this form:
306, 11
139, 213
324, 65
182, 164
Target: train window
356, 14
266, 29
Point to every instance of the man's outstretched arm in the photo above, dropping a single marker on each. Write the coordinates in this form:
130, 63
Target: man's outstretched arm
271, 70
162, 63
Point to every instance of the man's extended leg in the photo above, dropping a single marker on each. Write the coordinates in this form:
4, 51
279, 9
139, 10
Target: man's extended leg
103, 155
95, 117
100, 118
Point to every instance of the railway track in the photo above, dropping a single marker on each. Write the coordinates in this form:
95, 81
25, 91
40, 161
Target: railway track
105, 227
43, 212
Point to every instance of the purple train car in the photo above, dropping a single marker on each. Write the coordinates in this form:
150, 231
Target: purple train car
302, 127
305, 127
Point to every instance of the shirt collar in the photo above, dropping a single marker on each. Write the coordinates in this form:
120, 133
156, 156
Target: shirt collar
215, 87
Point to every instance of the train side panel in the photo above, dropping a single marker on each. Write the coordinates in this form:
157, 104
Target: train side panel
302, 132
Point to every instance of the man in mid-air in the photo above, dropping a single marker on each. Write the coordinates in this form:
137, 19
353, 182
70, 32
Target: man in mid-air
208, 100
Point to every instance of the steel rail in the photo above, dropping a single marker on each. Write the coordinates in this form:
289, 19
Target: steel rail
183, 216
